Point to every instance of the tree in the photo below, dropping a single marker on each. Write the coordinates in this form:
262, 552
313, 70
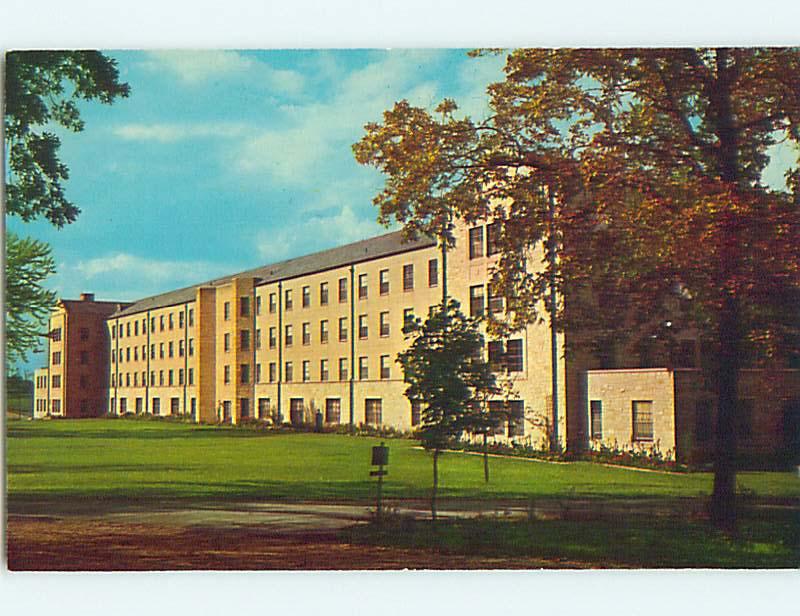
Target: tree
663, 220
36, 99
28, 263
445, 373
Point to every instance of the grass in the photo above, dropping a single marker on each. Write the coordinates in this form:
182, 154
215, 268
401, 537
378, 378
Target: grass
160, 459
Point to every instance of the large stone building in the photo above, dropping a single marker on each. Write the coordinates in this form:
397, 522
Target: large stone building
321, 333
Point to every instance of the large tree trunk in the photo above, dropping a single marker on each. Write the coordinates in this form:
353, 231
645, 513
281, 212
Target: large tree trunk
435, 484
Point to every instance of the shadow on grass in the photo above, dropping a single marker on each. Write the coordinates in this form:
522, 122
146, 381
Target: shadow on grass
152, 430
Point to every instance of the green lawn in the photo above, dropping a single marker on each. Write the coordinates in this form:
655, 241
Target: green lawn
160, 459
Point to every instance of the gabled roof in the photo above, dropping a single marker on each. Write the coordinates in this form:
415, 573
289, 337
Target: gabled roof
357, 252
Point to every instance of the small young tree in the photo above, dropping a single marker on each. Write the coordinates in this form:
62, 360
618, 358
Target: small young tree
446, 373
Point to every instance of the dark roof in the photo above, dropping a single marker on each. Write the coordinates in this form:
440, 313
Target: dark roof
365, 250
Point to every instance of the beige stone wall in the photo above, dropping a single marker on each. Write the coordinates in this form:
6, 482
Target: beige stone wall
617, 390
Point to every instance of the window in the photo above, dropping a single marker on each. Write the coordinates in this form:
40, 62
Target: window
703, 414
384, 324
194, 408
306, 333
288, 372
123, 405
191, 347
244, 373
323, 293
385, 370
287, 299
476, 301
56, 406
127, 330
180, 376
342, 290
180, 319
135, 328
171, 349
226, 311
492, 239
496, 301
226, 345
161, 323
181, 349
333, 410
161, 377
226, 374
191, 376
495, 348
596, 416
288, 337
258, 373
244, 339
244, 407
226, 409
273, 372
263, 408
273, 337
171, 322
258, 338
144, 378
56, 381
191, 317
513, 356
135, 353
642, 420
113, 380
516, 418
343, 369
55, 335
306, 370
84, 357
363, 329
323, 370
296, 411
306, 296
56, 358
171, 377
84, 333
362, 286
343, 329
475, 242
128, 379
384, 282
373, 411
273, 303
139, 405
244, 306
433, 272
416, 412
153, 378
161, 350
128, 353
120, 331
152, 324
408, 277
323, 331
156, 406
408, 317
363, 368
258, 305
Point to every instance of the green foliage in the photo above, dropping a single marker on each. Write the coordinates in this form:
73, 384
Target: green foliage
28, 263
445, 372
35, 98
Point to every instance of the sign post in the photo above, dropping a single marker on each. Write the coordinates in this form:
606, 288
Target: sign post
380, 458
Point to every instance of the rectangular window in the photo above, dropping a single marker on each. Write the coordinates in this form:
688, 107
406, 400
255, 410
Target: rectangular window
144, 378
171, 377
56, 381
171, 349
323, 293
171, 321
363, 368
288, 338
161, 377
263, 408
244, 373
287, 299
342, 290
476, 301
408, 277
273, 337
323, 331
191, 317
288, 372
161, 350
139, 405
323, 370
492, 239
152, 324
258, 304
343, 369
244, 306
416, 412
226, 311
226, 410
516, 418
306, 370
226, 374
596, 411
273, 303
123, 405
244, 339
306, 333
56, 358
384, 282
244, 407
273, 372
385, 369
156, 406
127, 329
513, 357
496, 301
362, 286
174, 406
306, 296
180, 376
135, 353
55, 335
476, 242
433, 272
496, 354
191, 347
161, 323
128, 379
128, 353
135, 328
408, 317
258, 373
343, 329
258, 338
642, 420
226, 342
384, 324
333, 410
180, 319
191, 376
373, 411
363, 329
152, 378
296, 411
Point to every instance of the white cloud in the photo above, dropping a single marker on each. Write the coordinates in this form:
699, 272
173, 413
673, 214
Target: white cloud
170, 133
